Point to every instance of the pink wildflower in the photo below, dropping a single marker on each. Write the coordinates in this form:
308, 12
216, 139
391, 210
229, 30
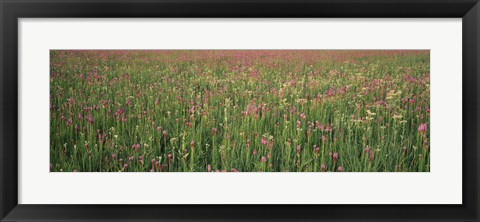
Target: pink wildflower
264, 141
192, 144
422, 128
340, 169
303, 116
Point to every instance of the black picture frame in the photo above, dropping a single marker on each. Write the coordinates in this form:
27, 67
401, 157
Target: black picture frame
11, 11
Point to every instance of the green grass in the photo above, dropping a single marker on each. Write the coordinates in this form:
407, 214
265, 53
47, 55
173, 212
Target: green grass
195, 110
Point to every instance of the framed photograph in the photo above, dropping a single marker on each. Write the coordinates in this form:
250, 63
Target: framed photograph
239, 110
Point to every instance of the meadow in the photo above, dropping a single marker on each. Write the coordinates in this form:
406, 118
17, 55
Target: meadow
239, 111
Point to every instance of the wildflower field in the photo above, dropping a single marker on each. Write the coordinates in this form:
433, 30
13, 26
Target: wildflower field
239, 111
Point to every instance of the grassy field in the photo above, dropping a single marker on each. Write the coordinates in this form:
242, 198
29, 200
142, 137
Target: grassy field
239, 110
